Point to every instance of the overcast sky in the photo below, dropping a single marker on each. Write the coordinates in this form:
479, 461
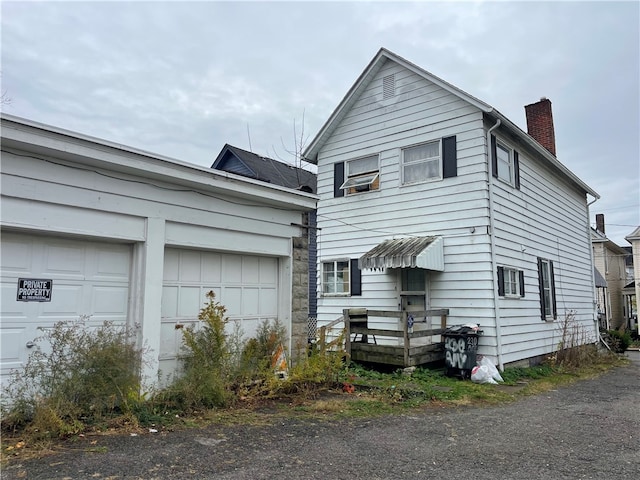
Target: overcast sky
183, 78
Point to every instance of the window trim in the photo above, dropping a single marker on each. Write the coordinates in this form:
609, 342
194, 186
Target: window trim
439, 158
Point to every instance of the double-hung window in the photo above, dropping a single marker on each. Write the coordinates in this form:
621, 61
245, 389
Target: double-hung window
335, 277
341, 277
421, 163
510, 282
548, 310
504, 163
363, 175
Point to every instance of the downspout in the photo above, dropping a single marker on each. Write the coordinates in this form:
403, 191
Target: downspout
494, 263
593, 280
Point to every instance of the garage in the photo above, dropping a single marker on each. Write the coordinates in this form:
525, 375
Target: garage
247, 285
119, 234
89, 280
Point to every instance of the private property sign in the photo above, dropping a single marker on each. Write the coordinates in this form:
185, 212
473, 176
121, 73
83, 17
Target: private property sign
34, 290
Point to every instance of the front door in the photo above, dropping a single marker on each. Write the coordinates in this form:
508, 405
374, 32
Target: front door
413, 292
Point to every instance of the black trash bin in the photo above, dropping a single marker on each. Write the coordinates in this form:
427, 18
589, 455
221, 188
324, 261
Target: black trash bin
460, 349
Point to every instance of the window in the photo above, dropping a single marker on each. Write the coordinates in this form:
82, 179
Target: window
341, 277
546, 282
421, 163
510, 282
362, 175
504, 163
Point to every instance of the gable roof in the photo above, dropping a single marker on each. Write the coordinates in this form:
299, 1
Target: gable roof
248, 164
635, 235
599, 237
311, 152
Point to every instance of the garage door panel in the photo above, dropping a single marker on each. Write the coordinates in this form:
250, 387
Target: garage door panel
171, 265
212, 268
190, 267
232, 269
169, 340
64, 262
250, 301
169, 301
111, 265
250, 270
8, 294
65, 299
189, 302
110, 301
231, 298
268, 271
268, 301
16, 258
12, 342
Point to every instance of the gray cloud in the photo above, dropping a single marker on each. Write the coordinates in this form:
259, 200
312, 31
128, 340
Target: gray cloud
183, 79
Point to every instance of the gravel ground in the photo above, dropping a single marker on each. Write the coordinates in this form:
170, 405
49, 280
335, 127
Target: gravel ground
587, 430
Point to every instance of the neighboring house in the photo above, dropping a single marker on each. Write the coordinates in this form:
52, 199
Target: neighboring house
609, 261
111, 233
236, 160
431, 198
632, 289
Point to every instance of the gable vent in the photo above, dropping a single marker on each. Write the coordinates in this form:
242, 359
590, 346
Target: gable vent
389, 86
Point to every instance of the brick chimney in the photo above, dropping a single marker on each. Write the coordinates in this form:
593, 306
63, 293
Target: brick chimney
600, 222
540, 124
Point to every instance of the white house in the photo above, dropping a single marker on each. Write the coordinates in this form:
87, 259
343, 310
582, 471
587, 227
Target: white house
95, 230
609, 259
633, 287
432, 198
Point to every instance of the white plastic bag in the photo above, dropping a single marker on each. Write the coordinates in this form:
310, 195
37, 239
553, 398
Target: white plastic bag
493, 371
481, 374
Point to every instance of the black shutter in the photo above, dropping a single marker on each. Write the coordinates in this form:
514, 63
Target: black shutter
521, 273
541, 285
553, 291
494, 157
449, 157
356, 277
338, 179
501, 281
516, 168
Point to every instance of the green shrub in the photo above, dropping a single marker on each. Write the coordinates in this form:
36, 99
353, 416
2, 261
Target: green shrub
205, 378
77, 376
618, 341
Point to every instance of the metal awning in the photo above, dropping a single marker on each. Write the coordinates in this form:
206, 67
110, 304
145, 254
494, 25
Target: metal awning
600, 281
412, 252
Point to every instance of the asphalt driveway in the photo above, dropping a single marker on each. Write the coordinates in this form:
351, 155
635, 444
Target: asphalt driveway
587, 430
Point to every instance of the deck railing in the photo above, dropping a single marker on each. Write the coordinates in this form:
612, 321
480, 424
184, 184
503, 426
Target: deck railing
358, 336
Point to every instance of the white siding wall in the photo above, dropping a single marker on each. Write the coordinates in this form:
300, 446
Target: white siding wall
546, 218
451, 207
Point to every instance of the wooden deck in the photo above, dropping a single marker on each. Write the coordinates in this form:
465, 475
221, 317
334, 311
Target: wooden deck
375, 345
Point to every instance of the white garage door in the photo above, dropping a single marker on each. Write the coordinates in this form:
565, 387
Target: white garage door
89, 280
246, 285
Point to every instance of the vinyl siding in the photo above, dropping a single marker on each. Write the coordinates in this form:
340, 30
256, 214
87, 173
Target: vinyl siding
546, 218
352, 225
